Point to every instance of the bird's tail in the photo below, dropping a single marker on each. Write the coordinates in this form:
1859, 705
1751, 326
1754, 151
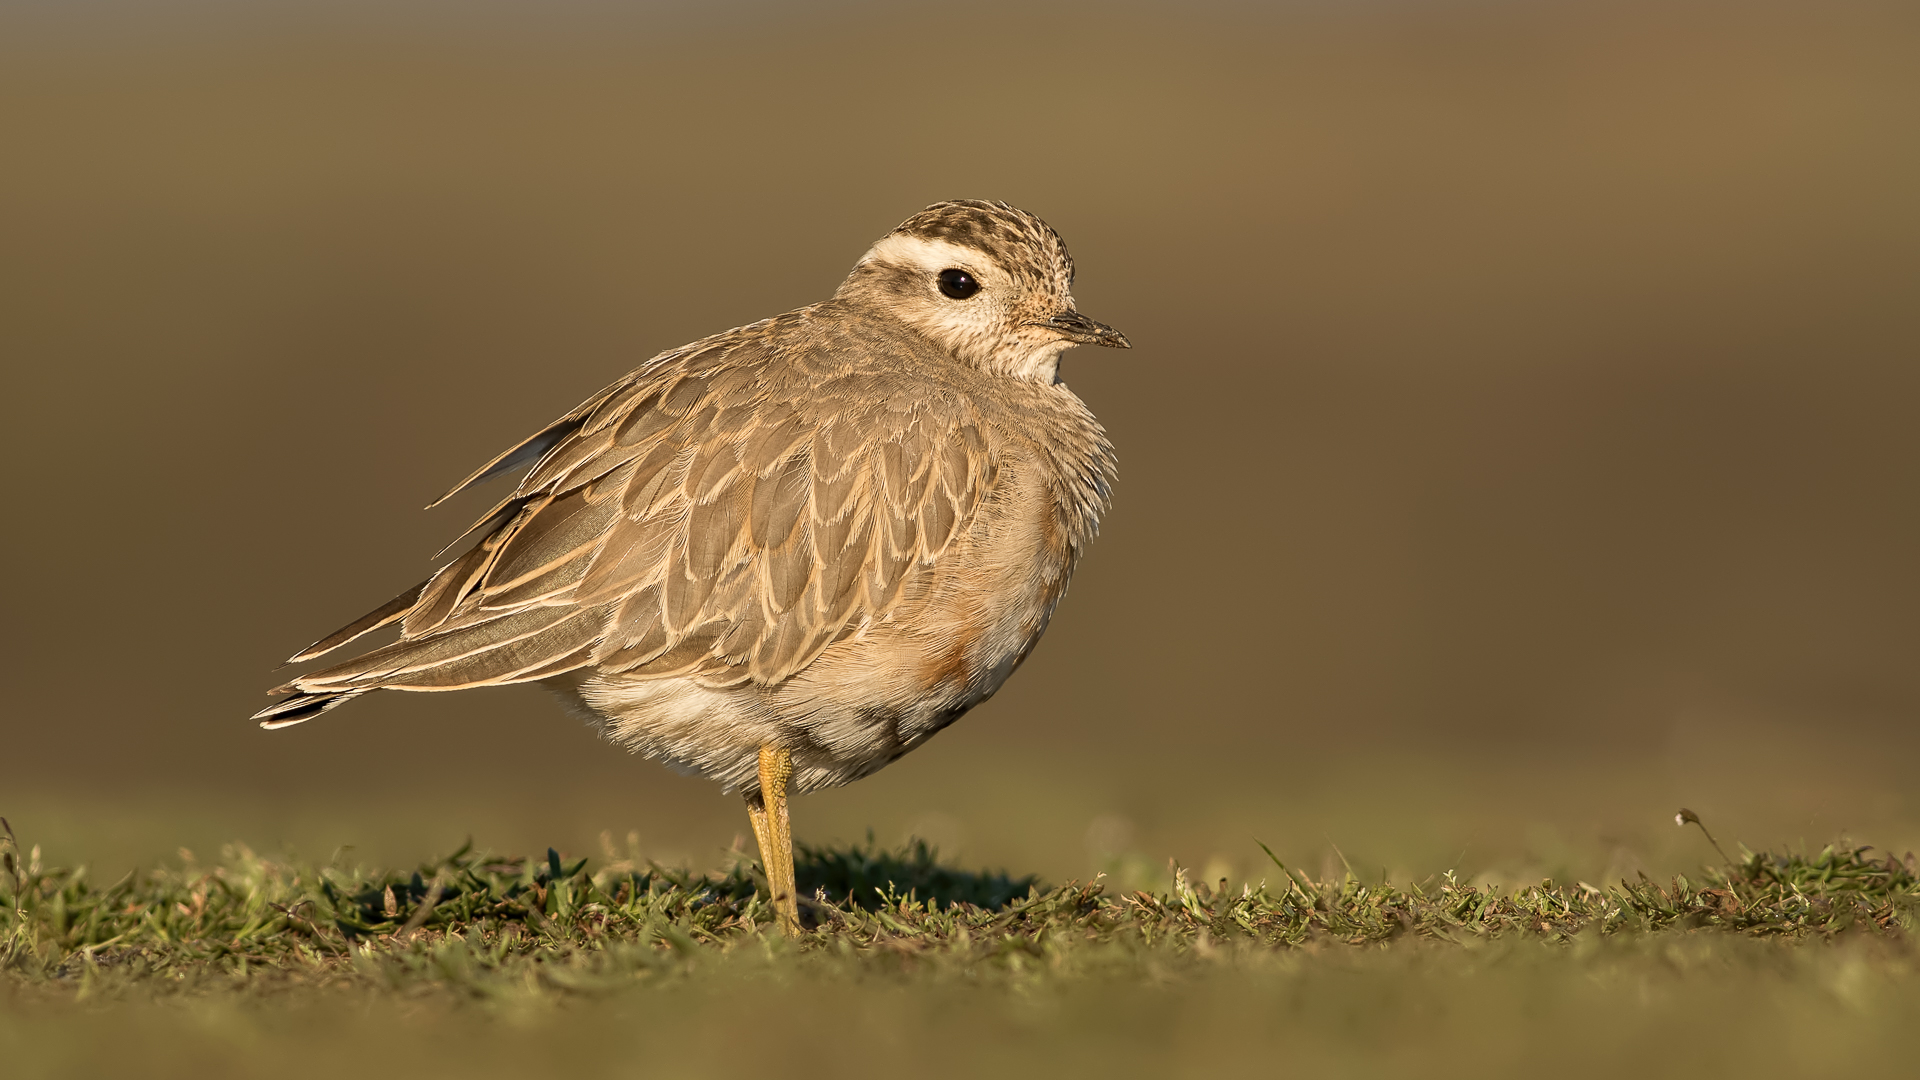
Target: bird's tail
302, 707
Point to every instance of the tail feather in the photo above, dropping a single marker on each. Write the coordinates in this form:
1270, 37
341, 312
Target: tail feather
302, 707
488, 649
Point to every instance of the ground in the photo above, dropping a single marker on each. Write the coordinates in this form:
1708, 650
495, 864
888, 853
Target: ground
1785, 963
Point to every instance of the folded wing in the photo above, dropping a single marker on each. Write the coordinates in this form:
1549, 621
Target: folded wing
691, 521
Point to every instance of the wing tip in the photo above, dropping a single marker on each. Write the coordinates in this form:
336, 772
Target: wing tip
310, 652
384, 615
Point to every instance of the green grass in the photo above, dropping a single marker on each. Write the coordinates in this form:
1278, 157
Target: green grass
472, 922
1796, 963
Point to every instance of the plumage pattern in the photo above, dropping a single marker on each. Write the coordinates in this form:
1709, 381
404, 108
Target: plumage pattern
676, 510
825, 529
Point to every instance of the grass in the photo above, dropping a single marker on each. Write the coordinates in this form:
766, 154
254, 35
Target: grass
472, 922
1801, 962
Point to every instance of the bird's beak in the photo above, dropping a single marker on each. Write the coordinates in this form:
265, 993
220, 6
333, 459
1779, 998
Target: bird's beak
1081, 330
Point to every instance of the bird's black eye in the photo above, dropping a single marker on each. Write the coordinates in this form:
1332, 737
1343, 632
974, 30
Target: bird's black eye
957, 284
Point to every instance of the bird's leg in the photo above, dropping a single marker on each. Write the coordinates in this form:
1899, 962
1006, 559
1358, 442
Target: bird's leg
774, 830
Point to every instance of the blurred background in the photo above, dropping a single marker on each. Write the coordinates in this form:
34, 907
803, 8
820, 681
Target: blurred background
1518, 445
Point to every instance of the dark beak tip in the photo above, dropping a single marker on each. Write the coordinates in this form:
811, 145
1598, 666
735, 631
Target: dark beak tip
1081, 330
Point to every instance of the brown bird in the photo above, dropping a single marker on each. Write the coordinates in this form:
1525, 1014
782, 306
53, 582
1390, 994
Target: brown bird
785, 555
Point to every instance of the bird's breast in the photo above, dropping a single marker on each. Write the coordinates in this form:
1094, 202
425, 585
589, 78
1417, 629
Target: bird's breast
989, 605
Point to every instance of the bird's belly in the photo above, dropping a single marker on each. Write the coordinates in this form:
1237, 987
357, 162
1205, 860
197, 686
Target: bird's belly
866, 701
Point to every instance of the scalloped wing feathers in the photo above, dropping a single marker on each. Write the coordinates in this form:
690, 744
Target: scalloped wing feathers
723, 513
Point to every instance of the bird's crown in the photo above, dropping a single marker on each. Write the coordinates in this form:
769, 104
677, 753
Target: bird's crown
1007, 234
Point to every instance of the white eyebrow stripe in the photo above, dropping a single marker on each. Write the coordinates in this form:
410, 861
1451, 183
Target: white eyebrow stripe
928, 254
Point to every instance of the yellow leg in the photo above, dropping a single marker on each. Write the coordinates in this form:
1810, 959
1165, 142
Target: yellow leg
774, 829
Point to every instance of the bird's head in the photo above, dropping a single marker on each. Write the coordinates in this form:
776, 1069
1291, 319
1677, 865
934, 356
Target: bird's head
988, 281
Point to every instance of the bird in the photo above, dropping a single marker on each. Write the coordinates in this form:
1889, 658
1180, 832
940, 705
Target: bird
785, 555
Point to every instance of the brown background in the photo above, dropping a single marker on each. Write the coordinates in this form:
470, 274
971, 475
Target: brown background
1519, 441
